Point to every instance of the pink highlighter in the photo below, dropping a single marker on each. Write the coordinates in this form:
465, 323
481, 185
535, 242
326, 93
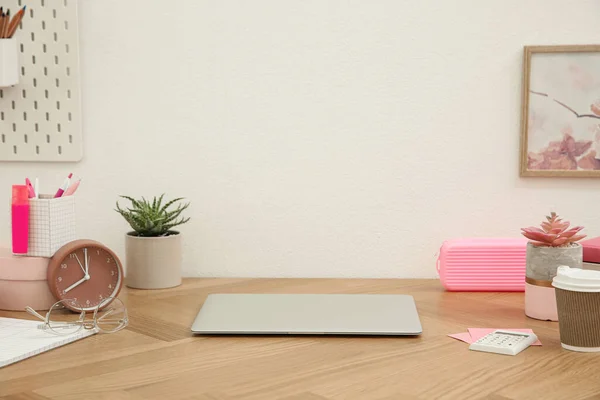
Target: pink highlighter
20, 218
72, 188
65, 186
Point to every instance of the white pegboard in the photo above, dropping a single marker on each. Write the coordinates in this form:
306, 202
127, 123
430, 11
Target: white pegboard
40, 117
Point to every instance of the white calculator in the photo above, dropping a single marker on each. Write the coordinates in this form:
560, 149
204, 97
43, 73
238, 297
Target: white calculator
504, 342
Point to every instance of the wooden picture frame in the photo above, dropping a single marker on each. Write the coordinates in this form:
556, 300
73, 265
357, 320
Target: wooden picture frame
560, 116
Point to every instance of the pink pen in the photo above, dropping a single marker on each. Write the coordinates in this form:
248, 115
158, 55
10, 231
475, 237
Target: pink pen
71, 189
30, 188
64, 186
20, 219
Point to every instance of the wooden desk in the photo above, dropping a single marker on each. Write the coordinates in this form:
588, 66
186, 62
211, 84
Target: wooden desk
158, 358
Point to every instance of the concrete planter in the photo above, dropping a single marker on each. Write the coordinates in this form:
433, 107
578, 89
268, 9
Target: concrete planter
153, 262
542, 263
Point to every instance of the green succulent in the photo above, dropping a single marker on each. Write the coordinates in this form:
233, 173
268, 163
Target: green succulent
153, 218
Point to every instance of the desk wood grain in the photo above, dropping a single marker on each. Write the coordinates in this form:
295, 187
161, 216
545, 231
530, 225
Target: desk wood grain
156, 357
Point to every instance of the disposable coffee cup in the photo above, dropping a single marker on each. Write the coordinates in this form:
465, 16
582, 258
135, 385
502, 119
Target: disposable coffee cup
578, 305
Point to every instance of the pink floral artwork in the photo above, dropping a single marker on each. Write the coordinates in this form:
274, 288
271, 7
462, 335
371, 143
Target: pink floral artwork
562, 112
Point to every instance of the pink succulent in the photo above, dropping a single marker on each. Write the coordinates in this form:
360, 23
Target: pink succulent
553, 233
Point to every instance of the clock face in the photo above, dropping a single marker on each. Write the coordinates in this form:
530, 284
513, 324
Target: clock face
85, 272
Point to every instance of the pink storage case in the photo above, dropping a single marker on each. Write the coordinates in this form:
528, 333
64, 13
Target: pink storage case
483, 264
591, 250
23, 282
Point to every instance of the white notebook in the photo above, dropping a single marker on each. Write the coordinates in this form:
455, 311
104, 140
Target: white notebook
21, 339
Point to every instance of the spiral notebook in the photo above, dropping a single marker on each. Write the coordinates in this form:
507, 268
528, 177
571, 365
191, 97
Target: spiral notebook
21, 339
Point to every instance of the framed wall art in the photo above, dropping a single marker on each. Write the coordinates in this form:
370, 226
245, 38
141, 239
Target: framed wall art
560, 121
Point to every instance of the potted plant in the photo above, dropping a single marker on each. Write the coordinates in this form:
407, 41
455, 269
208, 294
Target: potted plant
153, 248
550, 246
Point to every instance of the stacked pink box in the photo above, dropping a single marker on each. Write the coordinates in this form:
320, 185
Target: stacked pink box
23, 282
591, 253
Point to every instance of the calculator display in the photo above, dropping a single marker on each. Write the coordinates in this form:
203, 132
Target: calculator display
511, 334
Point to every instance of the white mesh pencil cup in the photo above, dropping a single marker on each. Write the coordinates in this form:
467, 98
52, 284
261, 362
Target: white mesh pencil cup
52, 224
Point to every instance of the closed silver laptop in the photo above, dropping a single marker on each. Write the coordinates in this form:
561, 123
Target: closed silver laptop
311, 314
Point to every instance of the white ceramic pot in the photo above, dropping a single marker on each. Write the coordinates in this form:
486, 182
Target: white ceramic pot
153, 262
542, 263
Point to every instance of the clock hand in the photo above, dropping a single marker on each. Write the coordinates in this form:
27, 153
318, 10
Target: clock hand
79, 282
80, 265
86, 263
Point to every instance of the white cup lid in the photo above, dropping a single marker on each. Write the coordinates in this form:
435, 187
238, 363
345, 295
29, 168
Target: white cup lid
577, 279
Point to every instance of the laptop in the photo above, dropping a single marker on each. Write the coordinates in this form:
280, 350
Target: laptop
308, 314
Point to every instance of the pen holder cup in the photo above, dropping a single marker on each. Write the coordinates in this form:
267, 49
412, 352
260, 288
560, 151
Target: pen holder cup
9, 62
52, 224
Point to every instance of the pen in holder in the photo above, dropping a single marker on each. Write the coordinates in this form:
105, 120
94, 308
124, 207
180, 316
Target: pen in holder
52, 224
9, 62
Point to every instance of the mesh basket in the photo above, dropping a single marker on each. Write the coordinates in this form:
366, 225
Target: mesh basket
51, 224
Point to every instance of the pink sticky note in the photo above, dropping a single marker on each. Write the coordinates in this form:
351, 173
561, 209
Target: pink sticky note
477, 333
464, 336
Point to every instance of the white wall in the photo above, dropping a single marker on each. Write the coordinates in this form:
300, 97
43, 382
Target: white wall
316, 138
